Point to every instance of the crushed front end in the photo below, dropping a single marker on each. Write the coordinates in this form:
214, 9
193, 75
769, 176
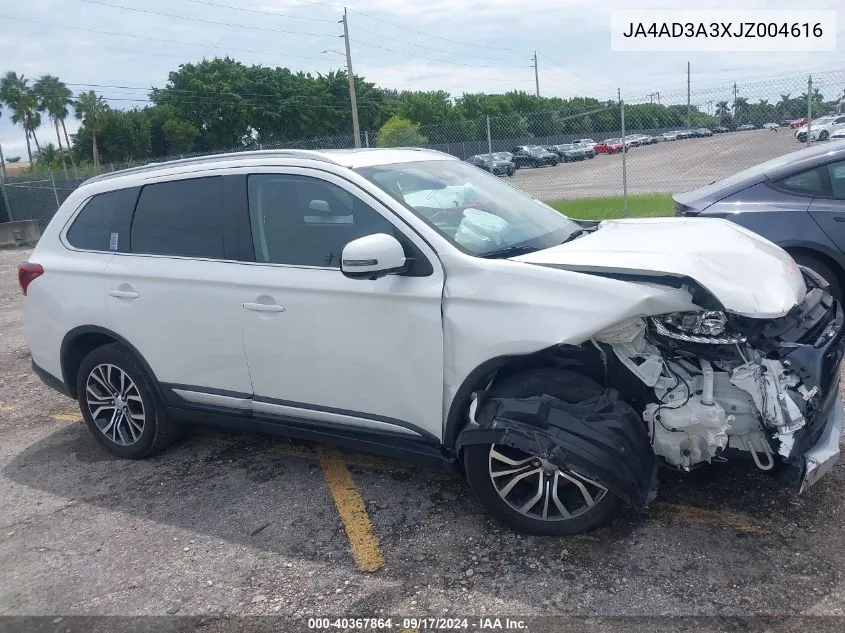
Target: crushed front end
725, 386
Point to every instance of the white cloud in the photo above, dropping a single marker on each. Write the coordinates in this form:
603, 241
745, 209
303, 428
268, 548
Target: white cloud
571, 37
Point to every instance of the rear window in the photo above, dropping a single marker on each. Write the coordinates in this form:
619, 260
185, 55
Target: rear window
104, 222
182, 218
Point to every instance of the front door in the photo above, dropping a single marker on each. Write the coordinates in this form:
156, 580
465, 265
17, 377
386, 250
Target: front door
345, 352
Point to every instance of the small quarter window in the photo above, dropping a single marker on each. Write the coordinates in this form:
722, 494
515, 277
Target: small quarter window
809, 182
104, 222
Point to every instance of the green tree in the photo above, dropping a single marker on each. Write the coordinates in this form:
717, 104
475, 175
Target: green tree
17, 95
91, 109
54, 97
399, 132
13, 159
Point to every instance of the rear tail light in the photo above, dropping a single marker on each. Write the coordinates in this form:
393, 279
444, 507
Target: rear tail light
27, 273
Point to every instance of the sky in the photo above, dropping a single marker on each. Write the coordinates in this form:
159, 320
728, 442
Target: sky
454, 45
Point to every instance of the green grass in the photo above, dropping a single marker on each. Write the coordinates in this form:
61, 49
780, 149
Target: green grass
639, 206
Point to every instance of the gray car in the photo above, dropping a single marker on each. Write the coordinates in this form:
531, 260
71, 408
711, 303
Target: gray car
797, 201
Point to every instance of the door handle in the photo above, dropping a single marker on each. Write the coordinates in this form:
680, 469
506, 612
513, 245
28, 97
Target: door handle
264, 307
123, 294
838, 218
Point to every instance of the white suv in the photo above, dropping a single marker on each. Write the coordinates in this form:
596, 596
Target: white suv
406, 302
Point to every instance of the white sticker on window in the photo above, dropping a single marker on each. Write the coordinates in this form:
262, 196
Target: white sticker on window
113, 242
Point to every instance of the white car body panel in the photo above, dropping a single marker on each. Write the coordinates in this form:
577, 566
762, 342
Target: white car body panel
185, 320
484, 315
720, 255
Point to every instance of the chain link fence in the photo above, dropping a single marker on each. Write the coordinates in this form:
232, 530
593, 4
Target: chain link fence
673, 141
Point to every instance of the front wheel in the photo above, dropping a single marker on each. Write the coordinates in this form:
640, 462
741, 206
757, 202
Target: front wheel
823, 135
526, 492
529, 494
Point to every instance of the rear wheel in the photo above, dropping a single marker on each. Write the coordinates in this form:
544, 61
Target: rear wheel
825, 272
526, 492
119, 404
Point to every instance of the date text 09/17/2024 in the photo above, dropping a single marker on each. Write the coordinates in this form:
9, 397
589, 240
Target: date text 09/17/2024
418, 624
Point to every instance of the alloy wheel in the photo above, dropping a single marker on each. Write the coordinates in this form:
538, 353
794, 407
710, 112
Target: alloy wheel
115, 404
538, 489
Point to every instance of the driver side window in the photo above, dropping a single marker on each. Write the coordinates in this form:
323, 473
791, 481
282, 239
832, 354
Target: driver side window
305, 221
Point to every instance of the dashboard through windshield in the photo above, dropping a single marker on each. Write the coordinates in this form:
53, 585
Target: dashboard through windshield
476, 211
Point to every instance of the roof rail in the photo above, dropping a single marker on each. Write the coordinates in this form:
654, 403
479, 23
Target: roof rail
212, 158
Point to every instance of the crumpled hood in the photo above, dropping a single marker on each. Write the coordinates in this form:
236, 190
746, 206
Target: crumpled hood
748, 274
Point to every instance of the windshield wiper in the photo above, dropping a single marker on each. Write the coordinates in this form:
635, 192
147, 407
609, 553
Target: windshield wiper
510, 251
574, 234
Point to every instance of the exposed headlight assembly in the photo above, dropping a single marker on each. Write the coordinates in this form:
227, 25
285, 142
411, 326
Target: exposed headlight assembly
707, 327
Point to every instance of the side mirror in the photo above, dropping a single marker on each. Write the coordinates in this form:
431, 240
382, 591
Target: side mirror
372, 256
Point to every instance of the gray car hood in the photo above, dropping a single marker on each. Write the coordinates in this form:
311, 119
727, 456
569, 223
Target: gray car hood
747, 274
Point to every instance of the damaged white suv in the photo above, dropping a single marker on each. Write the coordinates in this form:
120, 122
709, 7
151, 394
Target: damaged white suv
406, 302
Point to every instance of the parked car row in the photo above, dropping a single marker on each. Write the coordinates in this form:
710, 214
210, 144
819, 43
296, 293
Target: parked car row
822, 128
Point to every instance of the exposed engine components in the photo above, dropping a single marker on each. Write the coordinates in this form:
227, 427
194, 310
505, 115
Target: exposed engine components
771, 386
713, 391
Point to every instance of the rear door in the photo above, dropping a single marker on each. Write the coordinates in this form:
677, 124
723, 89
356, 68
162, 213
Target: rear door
828, 206
173, 293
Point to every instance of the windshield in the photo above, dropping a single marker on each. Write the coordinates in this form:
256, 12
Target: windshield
476, 211
537, 150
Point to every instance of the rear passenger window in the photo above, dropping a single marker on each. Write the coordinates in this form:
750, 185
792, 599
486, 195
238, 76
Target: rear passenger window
104, 222
181, 217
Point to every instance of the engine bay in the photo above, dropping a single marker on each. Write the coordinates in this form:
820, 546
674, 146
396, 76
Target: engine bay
723, 384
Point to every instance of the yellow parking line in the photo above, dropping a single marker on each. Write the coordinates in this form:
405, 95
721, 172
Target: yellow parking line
353, 513
67, 417
714, 518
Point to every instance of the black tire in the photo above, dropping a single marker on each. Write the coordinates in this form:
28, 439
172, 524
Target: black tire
823, 135
158, 430
824, 270
569, 387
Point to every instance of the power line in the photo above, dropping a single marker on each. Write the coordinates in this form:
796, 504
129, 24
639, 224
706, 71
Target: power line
143, 37
439, 37
439, 61
215, 22
259, 11
431, 48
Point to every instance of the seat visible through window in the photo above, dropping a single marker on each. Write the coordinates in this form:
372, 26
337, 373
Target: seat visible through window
305, 221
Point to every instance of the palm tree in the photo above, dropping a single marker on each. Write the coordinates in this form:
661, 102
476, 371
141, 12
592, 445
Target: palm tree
15, 93
740, 107
785, 102
54, 97
722, 108
90, 107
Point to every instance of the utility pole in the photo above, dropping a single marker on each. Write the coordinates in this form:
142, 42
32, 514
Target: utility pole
658, 98
356, 129
809, 108
624, 153
536, 76
734, 104
689, 111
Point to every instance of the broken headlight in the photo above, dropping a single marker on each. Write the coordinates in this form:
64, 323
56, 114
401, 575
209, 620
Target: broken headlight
708, 327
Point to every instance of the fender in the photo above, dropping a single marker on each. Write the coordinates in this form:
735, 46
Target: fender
75, 333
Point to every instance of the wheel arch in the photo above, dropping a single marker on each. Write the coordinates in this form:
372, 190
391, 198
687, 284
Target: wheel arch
584, 357
81, 341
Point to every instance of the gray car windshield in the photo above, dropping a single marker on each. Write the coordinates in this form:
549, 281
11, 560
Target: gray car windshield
476, 211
